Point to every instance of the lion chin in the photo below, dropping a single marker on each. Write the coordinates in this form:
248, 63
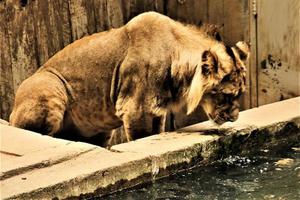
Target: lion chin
131, 76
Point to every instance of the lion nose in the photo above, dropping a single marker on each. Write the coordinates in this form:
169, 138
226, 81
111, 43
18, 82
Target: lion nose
232, 119
234, 115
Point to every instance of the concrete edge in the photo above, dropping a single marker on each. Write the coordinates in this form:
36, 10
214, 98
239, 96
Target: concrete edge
244, 142
40, 163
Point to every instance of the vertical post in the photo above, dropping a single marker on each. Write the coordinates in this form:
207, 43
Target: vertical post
253, 64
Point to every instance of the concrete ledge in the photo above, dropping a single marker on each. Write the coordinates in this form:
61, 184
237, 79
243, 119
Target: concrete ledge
45, 158
73, 170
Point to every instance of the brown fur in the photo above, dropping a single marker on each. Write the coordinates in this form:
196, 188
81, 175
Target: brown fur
131, 75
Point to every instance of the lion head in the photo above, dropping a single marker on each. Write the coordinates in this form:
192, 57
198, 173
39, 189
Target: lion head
221, 102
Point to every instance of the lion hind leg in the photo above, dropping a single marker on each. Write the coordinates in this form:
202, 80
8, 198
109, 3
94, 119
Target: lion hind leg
54, 123
39, 118
116, 136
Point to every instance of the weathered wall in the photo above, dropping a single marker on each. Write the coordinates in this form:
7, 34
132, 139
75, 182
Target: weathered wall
278, 50
31, 31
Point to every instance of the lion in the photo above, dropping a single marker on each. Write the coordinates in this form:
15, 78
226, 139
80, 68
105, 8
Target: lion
131, 76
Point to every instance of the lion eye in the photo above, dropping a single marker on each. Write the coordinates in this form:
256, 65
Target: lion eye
214, 91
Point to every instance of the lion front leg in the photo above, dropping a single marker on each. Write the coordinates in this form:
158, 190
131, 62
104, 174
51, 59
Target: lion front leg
139, 125
119, 135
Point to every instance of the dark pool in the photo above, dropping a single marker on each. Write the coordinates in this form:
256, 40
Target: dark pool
272, 177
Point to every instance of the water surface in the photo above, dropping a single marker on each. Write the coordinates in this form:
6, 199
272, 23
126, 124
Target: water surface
272, 177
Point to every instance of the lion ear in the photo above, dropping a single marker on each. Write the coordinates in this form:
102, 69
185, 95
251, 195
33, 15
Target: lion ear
209, 63
243, 50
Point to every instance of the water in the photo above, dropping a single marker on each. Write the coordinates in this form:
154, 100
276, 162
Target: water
276, 177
